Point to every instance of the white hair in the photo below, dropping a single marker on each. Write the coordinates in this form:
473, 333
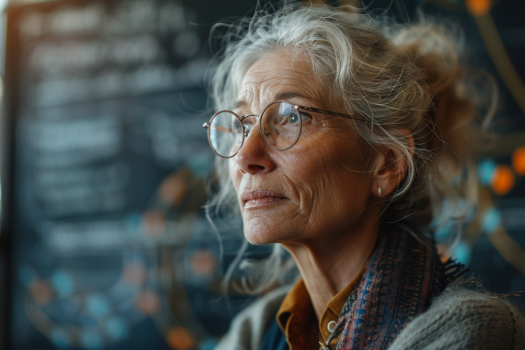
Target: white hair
396, 77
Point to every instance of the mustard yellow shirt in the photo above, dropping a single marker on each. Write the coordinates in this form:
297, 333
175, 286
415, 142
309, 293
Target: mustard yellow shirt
298, 321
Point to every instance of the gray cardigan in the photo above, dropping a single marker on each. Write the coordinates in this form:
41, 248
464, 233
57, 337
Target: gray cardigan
459, 319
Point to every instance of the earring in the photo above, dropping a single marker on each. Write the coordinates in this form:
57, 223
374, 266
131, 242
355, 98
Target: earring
379, 191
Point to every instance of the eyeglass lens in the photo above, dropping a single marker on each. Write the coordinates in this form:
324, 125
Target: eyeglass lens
281, 125
280, 129
226, 134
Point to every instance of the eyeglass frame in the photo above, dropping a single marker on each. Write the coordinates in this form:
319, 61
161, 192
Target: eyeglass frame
246, 132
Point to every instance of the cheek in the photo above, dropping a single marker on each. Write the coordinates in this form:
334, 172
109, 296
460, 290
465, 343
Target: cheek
319, 167
334, 186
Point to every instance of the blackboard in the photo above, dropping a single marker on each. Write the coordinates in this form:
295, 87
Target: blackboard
103, 241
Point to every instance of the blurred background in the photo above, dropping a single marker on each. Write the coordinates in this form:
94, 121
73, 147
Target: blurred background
104, 243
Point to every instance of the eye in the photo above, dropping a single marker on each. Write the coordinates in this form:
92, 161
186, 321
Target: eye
248, 123
249, 126
293, 118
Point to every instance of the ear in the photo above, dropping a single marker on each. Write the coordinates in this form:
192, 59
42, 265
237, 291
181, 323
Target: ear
391, 166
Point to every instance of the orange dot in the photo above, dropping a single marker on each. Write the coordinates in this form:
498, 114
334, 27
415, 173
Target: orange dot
154, 222
518, 160
179, 338
41, 291
478, 7
148, 302
203, 262
173, 189
135, 273
502, 180
443, 252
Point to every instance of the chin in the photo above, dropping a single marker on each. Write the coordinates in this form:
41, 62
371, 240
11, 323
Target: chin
258, 237
259, 232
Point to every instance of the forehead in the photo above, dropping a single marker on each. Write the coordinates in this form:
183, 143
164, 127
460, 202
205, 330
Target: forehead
276, 74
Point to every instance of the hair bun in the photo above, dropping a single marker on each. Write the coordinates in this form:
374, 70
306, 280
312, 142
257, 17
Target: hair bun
452, 110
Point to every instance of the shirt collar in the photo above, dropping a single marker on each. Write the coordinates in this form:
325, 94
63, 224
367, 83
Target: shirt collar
297, 314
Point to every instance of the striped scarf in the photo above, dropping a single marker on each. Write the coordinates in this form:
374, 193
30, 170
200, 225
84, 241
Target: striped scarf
403, 276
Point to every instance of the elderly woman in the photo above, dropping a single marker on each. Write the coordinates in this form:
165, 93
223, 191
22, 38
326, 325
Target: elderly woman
340, 140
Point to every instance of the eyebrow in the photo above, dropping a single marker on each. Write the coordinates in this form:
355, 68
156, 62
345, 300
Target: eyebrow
239, 104
282, 95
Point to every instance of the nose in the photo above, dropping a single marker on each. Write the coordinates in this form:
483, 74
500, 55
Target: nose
254, 156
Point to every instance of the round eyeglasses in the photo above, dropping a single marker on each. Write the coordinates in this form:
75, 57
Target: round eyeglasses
280, 126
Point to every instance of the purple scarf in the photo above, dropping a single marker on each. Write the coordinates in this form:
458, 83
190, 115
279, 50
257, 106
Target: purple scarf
403, 276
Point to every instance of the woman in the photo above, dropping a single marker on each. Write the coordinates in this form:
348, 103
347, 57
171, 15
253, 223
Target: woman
340, 141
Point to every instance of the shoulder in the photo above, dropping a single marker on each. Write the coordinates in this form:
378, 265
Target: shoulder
248, 327
464, 319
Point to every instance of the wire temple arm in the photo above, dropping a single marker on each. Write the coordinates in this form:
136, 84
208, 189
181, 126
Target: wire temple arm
323, 111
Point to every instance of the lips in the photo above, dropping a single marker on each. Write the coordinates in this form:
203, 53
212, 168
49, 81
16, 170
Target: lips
260, 198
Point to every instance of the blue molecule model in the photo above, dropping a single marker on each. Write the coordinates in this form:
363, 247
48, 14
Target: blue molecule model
98, 305
208, 344
60, 337
444, 232
133, 221
117, 328
201, 165
461, 252
62, 283
490, 220
27, 275
486, 169
91, 339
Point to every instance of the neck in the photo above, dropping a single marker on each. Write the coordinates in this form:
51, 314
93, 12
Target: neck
329, 263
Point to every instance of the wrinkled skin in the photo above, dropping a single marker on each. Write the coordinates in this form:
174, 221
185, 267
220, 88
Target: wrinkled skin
324, 206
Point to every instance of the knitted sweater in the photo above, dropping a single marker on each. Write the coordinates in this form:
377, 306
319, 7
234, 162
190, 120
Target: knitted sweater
458, 319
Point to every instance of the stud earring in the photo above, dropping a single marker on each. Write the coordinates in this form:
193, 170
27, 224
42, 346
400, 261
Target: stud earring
379, 191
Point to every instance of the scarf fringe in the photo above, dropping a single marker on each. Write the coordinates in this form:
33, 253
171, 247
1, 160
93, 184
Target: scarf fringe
454, 269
